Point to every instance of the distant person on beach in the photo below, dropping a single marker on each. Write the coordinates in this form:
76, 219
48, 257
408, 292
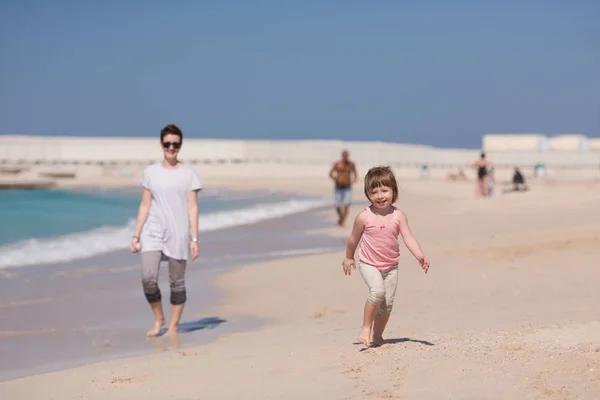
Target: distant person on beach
518, 182
379, 226
344, 175
481, 166
167, 227
460, 176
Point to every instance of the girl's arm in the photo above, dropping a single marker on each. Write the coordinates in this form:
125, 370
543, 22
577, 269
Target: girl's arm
409, 240
142, 212
357, 231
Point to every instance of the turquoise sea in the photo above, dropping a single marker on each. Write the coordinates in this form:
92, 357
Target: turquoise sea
47, 226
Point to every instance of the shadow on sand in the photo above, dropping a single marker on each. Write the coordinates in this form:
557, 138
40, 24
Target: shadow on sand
402, 340
397, 340
191, 326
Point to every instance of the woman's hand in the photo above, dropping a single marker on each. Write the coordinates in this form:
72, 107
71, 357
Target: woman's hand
135, 245
194, 249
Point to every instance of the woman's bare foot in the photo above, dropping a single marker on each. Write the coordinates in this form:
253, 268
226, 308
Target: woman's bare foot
155, 330
173, 330
364, 337
173, 336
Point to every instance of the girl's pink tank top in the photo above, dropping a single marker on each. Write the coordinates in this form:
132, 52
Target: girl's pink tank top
379, 246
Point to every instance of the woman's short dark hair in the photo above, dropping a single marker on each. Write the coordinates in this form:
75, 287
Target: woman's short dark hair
171, 129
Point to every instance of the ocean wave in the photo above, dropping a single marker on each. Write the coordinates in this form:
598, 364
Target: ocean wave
82, 245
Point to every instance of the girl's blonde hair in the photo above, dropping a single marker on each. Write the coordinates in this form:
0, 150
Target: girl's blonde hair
381, 176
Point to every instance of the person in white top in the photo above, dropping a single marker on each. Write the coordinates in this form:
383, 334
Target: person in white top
167, 227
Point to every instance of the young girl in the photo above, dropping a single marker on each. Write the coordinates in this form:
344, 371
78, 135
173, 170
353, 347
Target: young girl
379, 226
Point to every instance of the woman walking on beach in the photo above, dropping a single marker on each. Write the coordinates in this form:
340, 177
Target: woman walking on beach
379, 226
167, 227
482, 166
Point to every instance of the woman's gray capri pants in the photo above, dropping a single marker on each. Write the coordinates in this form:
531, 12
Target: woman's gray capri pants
150, 266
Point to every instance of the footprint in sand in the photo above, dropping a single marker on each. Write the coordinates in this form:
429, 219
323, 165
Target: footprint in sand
325, 312
116, 381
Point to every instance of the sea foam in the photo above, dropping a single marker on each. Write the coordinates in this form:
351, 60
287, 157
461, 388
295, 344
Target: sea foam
87, 244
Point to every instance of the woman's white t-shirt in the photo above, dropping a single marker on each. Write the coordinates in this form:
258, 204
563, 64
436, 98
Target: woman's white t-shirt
167, 228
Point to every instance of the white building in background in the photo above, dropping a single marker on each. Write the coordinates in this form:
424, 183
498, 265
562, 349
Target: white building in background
594, 144
571, 143
539, 143
515, 142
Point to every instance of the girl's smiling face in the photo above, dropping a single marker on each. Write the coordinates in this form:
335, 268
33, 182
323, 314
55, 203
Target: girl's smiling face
381, 196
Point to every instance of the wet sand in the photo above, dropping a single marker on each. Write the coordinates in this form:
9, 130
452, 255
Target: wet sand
59, 316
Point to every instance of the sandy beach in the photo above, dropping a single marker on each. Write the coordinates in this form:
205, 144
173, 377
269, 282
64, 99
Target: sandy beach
169, 176
508, 310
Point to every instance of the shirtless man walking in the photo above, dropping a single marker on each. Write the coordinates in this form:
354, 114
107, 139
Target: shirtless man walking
344, 175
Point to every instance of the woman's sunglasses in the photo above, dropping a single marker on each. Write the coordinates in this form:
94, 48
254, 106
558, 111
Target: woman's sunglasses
175, 145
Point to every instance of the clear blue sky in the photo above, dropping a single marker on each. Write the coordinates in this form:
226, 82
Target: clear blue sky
416, 71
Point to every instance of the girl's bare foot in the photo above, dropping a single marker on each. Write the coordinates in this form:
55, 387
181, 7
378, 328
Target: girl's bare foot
380, 342
364, 337
155, 330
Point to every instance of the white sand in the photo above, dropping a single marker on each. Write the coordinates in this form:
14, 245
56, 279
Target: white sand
509, 310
